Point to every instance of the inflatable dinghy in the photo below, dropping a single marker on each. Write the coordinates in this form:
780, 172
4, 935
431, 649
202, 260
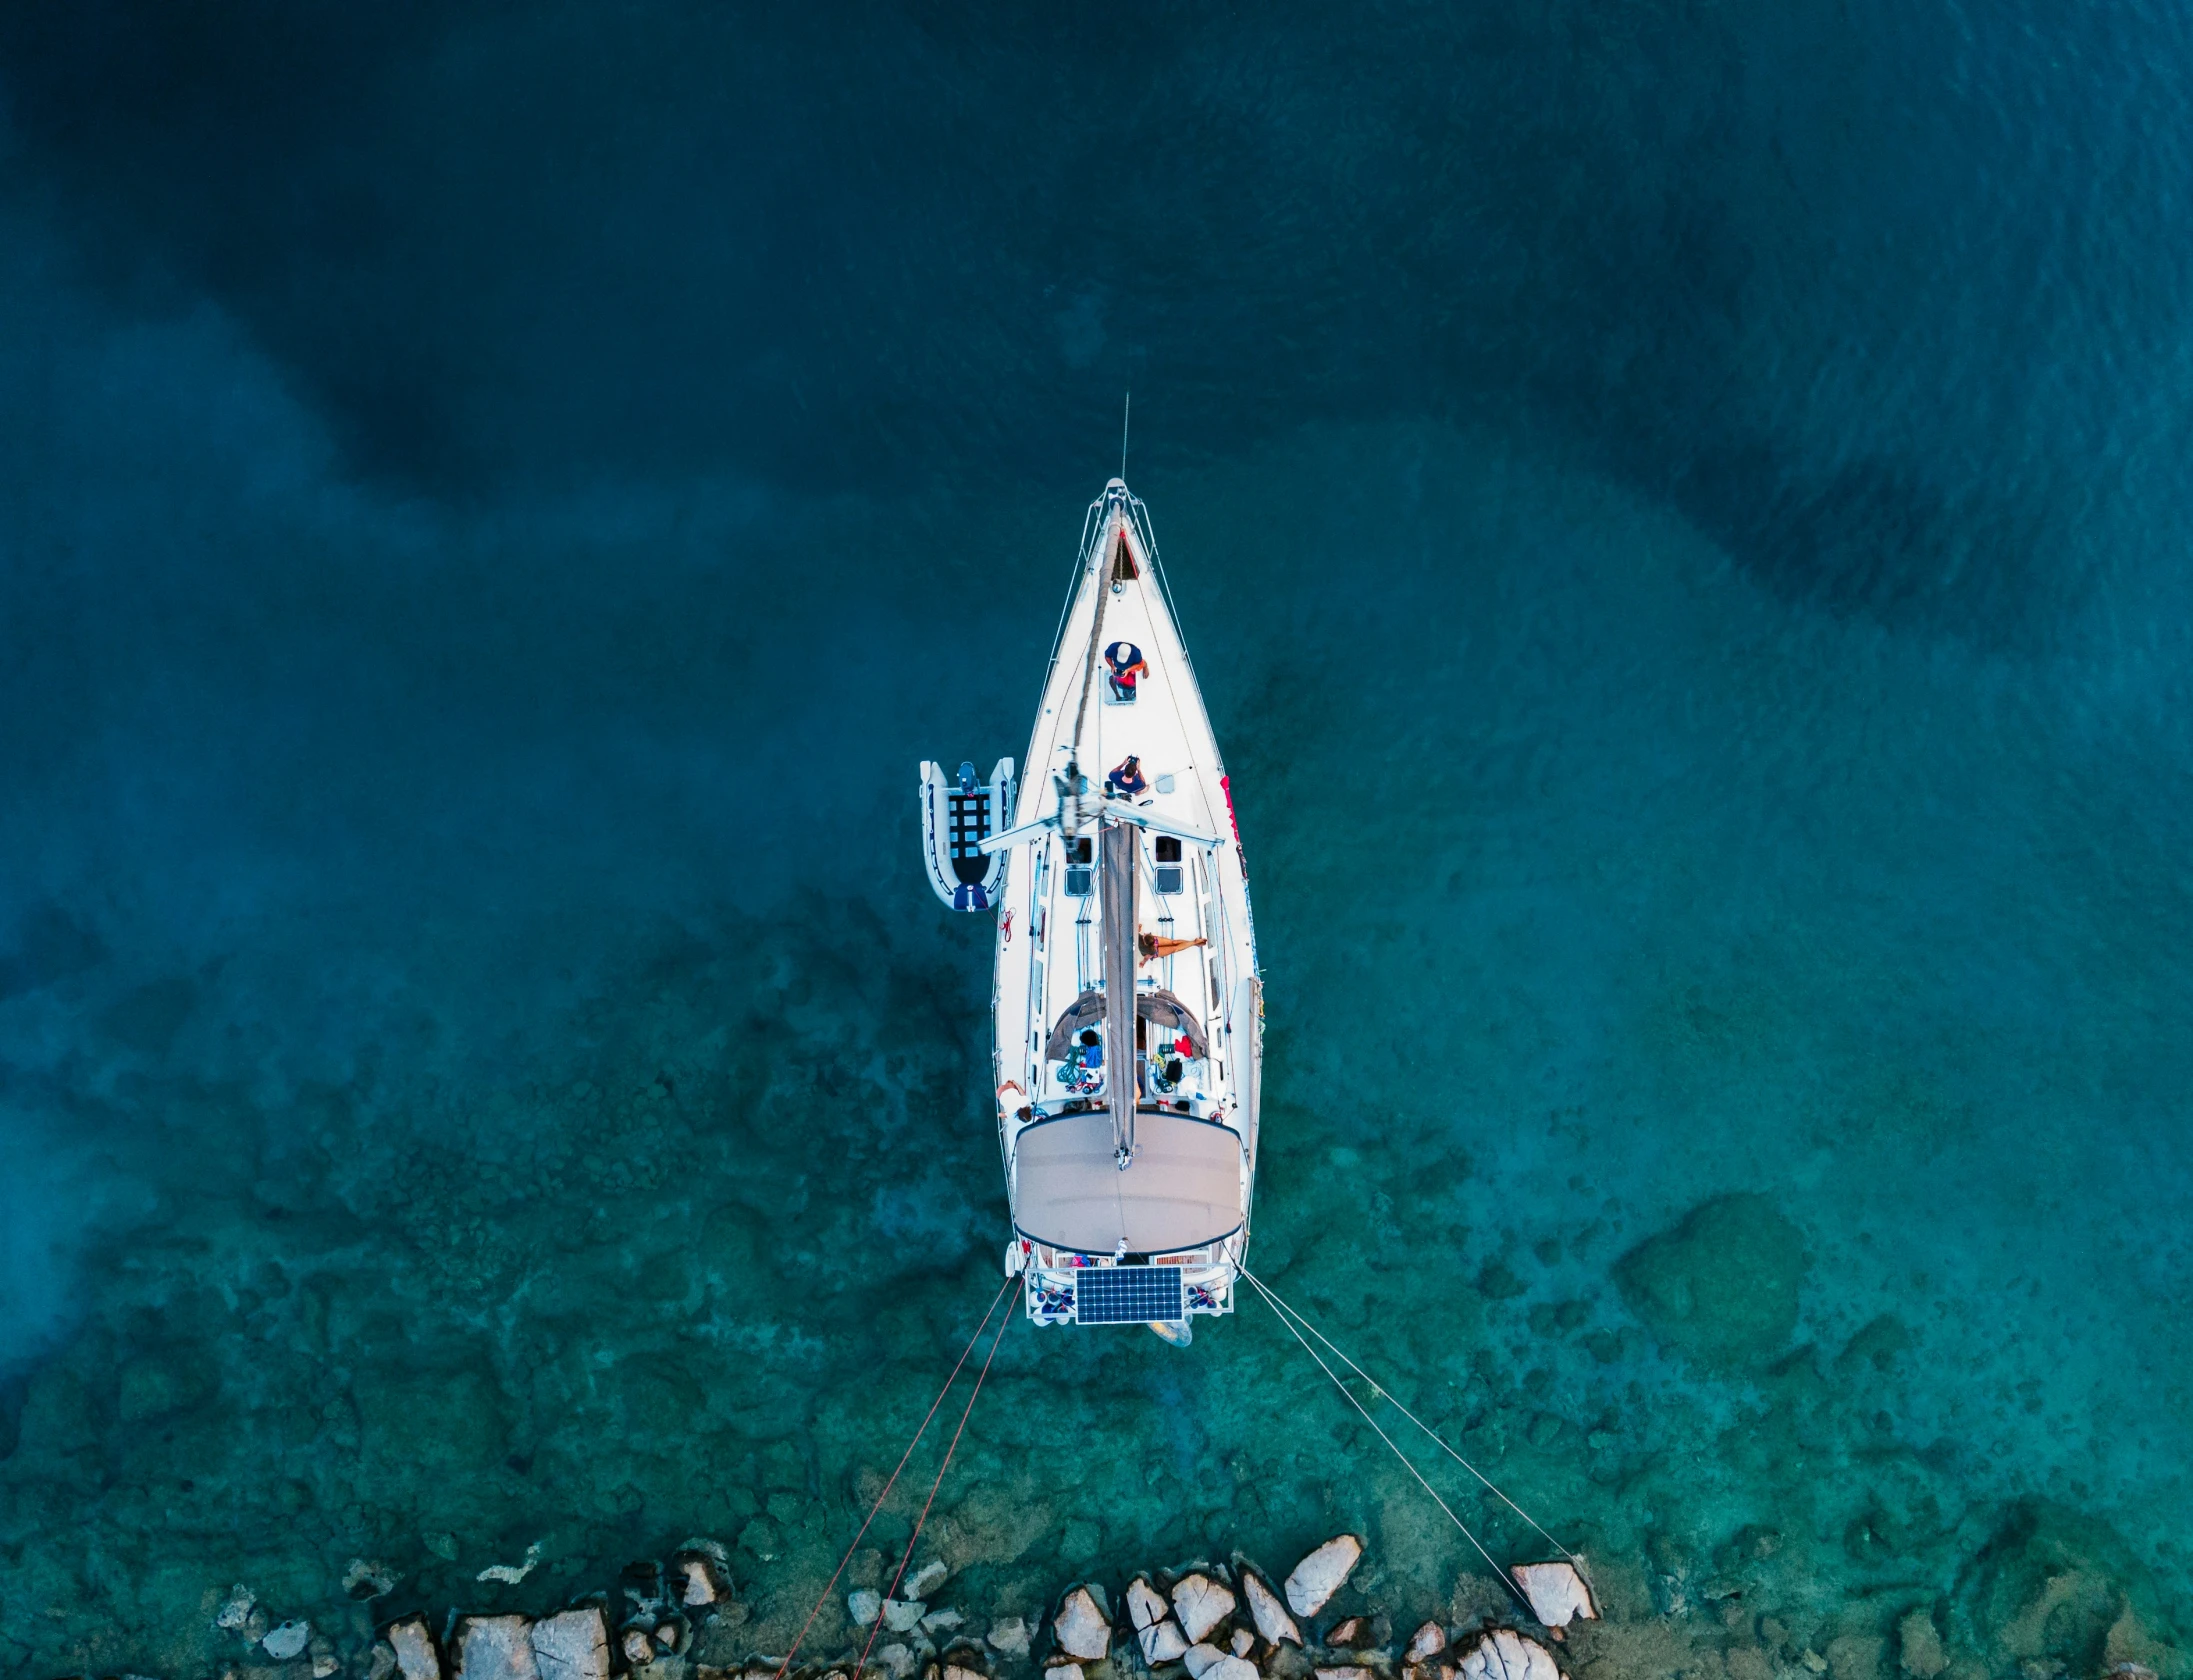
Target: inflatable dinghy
957, 815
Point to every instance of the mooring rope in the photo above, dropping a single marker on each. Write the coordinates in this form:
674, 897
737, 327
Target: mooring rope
1407, 1463
1386, 1395
831, 1586
913, 1540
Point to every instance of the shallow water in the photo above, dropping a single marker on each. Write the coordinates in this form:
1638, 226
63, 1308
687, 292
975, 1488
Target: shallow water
1679, 513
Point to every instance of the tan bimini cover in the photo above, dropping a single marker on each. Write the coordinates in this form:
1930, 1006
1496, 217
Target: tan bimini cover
1183, 1189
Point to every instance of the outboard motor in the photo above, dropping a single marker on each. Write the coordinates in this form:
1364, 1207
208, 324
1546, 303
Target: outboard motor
956, 817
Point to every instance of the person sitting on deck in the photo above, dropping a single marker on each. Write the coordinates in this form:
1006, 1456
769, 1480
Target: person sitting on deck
1127, 777
1124, 664
1153, 946
1084, 1070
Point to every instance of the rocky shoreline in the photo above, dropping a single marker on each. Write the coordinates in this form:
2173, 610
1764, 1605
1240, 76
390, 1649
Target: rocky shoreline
682, 1619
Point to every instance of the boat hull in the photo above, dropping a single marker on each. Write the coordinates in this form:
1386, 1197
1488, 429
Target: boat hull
1129, 1013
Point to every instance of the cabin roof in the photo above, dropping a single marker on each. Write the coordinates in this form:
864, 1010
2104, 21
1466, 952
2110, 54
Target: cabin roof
1182, 1190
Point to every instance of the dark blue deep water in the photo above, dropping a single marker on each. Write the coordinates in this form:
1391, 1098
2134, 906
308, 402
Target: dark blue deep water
1682, 513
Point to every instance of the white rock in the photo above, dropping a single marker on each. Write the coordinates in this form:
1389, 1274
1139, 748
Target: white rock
941, 1621
928, 1575
1345, 1674
864, 1606
1081, 1628
237, 1611
1231, 1668
1201, 1603
1430, 1640
1503, 1655
639, 1650
323, 1666
1324, 1572
1201, 1659
954, 1671
700, 1586
287, 1641
897, 1661
902, 1615
1063, 1671
1270, 1616
1146, 1607
1009, 1638
414, 1648
494, 1648
1164, 1642
1244, 1642
1349, 1632
1557, 1593
571, 1646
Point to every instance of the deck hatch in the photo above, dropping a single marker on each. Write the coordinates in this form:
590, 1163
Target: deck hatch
1128, 1295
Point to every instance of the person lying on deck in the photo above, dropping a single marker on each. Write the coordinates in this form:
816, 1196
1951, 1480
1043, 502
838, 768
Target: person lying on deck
1154, 947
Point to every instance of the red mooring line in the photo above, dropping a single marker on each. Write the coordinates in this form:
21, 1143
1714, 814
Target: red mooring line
831, 1587
965, 1412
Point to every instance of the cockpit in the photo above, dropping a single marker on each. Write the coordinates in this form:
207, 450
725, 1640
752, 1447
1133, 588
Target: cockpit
1171, 1051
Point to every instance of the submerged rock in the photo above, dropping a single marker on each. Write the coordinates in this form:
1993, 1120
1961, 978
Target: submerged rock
571, 1646
897, 1660
287, 1641
930, 1574
413, 1647
1428, 1641
902, 1615
864, 1605
1009, 1638
1919, 1646
1244, 1642
1557, 1593
1081, 1627
1506, 1655
494, 1648
1324, 1572
1063, 1671
1349, 1632
1722, 1286
1201, 1604
236, 1611
639, 1650
1231, 1668
368, 1579
954, 1671
1273, 1624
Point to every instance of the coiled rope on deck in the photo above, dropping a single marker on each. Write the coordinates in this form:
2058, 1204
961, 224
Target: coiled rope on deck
927, 1418
1296, 1323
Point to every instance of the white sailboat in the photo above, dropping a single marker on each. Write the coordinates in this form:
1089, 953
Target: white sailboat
1129, 1013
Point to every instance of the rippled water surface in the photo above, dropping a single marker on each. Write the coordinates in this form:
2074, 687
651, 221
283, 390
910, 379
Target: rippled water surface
1680, 511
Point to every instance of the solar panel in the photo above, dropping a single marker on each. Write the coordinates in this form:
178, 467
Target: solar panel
1127, 1294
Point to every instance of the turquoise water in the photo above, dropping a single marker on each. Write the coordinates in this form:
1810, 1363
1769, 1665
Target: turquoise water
1679, 513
